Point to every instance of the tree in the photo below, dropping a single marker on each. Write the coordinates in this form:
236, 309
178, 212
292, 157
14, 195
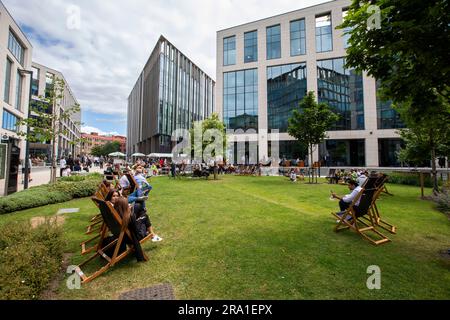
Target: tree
425, 140
48, 124
407, 53
211, 123
106, 149
310, 122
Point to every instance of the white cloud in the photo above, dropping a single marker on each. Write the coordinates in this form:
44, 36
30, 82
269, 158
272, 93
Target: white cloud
103, 59
90, 130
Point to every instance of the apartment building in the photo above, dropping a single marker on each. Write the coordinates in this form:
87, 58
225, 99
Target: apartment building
15, 59
68, 143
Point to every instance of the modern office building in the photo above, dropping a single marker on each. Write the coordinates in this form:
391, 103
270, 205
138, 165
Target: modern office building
43, 80
171, 93
266, 67
15, 57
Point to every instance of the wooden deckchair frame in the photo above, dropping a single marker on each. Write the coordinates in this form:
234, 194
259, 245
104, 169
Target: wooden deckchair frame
116, 244
376, 217
350, 220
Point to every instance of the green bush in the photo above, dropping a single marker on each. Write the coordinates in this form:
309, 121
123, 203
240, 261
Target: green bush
443, 201
410, 179
29, 258
59, 192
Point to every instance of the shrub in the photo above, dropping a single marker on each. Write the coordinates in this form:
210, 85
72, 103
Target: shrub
61, 191
443, 201
29, 258
410, 179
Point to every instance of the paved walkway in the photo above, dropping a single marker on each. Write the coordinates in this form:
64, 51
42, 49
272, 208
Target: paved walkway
41, 175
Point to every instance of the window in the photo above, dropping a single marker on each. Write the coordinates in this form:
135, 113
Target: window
274, 42
251, 46
8, 80
387, 117
35, 83
19, 81
388, 150
241, 99
49, 79
15, 47
298, 37
286, 87
342, 90
324, 36
9, 121
343, 153
345, 36
229, 51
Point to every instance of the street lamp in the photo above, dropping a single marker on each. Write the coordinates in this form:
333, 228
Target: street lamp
27, 147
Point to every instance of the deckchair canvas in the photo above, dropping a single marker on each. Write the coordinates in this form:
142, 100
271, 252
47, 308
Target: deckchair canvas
122, 234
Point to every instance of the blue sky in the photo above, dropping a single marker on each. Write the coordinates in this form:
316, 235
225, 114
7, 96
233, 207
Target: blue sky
101, 46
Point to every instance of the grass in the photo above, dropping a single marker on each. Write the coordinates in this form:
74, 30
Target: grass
265, 238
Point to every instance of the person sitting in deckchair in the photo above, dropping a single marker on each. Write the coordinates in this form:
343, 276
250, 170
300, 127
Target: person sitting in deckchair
293, 176
347, 200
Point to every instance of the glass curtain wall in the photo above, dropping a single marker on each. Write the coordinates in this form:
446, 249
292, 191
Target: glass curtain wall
286, 87
241, 99
342, 90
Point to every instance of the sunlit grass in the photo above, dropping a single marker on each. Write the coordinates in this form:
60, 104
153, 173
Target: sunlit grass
266, 238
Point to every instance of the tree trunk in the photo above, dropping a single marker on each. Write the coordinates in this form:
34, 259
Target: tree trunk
55, 131
434, 172
312, 162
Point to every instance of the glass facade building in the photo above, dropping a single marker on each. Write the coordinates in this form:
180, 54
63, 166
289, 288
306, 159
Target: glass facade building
286, 87
171, 93
291, 54
342, 90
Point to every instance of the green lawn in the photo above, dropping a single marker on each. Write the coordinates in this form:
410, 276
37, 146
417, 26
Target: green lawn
266, 238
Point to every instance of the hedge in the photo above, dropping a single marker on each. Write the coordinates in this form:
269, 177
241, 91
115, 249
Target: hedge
410, 179
61, 191
29, 258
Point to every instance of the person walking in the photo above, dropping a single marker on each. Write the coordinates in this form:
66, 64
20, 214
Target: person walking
62, 166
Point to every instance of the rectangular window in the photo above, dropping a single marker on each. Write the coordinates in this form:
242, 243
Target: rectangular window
15, 47
388, 150
342, 90
240, 99
324, 35
49, 79
229, 51
9, 121
35, 84
345, 36
251, 46
274, 42
19, 81
8, 80
387, 117
298, 37
286, 87
343, 153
